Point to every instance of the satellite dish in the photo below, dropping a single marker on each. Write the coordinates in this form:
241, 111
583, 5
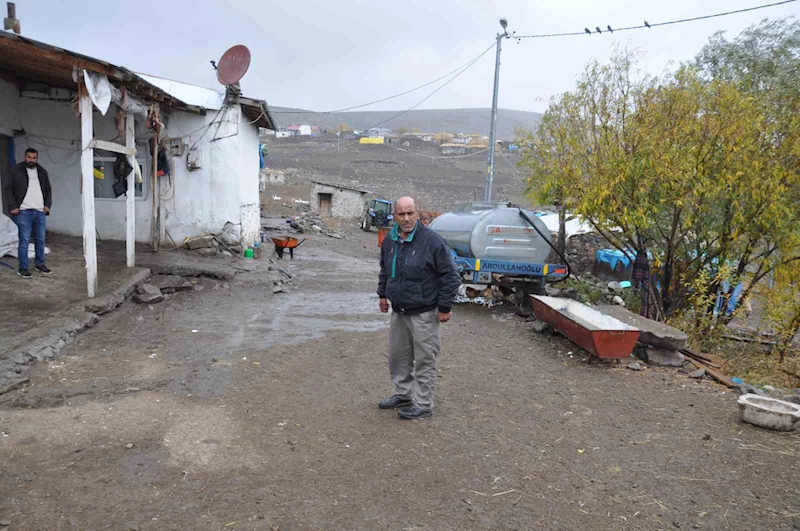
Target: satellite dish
233, 65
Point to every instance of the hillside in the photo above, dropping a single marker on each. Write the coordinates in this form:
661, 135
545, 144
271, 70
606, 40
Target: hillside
428, 120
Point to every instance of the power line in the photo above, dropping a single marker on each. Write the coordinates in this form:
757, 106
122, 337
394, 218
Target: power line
647, 25
467, 64
426, 98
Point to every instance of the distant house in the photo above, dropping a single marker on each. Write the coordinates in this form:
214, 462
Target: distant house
336, 201
268, 176
303, 130
284, 134
459, 149
379, 131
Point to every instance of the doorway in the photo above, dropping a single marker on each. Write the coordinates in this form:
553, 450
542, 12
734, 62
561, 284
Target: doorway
6, 161
325, 201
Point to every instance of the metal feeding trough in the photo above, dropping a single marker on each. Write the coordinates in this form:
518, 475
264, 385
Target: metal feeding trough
599, 334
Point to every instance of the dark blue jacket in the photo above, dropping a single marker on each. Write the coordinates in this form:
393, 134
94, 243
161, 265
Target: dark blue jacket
419, 274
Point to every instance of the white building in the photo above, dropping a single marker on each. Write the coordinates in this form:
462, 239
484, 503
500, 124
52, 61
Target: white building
211, 140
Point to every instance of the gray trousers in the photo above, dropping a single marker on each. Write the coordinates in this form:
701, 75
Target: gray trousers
413, 348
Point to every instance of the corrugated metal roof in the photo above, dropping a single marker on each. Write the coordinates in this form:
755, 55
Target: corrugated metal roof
255, 110
206, 98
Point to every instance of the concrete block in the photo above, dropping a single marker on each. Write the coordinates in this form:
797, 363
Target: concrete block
654, 334
665, 358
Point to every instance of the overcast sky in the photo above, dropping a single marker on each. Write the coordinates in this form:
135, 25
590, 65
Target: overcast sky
328, 54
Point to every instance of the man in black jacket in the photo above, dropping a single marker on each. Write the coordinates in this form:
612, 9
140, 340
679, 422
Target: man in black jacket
419, 277
28, 197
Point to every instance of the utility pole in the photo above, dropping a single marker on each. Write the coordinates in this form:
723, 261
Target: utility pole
487, 197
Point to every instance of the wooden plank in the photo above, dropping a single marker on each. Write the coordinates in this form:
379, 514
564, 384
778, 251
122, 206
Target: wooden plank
749, 340
694, 357
111, 146
717, 374
130, 200
156, 190
23, 51
87, 185
708, 358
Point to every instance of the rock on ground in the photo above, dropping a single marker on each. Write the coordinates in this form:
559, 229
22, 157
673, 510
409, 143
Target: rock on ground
698, 374
665, 358
170, 283
148, 294
539, 326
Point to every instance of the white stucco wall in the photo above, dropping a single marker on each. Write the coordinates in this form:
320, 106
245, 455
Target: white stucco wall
344, 203
52, 128
203, 200
249, 201
224, 189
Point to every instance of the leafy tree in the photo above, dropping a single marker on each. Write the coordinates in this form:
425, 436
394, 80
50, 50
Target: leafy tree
401, 130
342, 128
692, 169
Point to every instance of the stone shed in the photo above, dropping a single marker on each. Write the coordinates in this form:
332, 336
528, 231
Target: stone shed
336, 201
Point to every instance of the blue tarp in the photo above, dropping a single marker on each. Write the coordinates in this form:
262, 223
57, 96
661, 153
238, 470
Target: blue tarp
732, 301
612, 257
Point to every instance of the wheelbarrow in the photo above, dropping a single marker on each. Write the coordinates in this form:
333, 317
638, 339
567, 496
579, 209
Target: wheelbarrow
286, 242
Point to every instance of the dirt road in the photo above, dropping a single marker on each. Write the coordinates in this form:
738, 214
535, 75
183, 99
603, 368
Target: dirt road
233, 408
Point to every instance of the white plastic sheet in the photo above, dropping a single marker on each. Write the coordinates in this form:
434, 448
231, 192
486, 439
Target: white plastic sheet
99, 90
573, 227
9, 239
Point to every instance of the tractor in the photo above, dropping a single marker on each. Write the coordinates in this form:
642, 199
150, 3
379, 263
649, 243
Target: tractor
377, 214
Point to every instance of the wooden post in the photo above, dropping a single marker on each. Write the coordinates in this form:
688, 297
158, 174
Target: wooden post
130, 200
156, 189
87, 186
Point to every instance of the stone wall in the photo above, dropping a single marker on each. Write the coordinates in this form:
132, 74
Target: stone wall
345, 203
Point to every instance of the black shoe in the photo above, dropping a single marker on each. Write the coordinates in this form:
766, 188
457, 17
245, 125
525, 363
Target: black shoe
414, 412
43, 269
24, 273
394, 402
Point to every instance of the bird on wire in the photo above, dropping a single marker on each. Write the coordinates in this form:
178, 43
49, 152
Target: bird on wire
646, 24
609, 29
598, 29
587, 30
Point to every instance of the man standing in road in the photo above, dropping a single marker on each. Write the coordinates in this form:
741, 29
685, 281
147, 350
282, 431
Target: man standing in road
28, 196
419, 277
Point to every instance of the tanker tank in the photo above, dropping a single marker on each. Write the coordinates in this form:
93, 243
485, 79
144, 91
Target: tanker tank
496, 234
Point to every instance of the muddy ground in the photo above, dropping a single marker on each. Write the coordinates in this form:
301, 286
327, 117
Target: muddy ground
437, 182
233, 408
